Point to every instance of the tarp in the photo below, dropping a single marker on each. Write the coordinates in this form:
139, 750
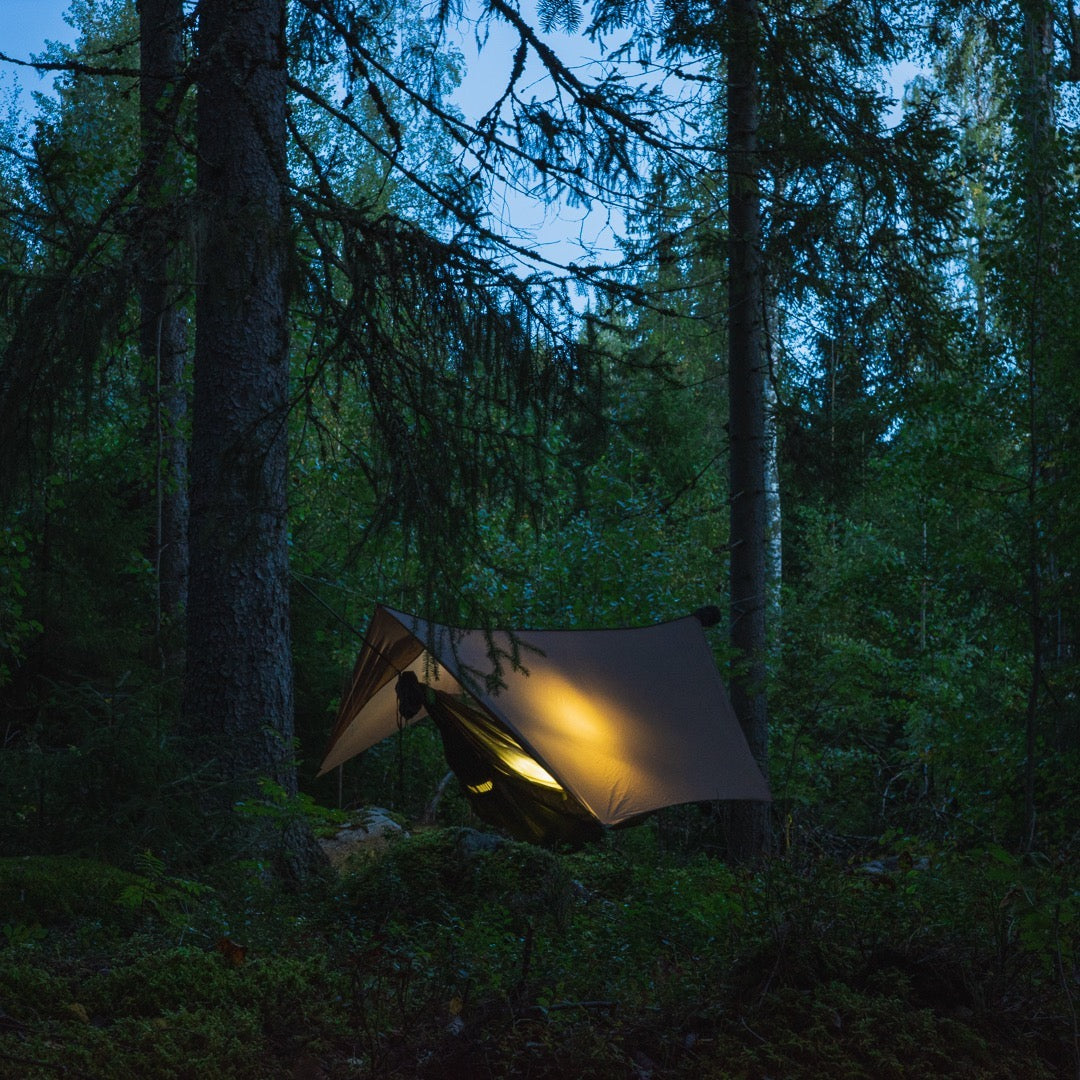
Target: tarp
615, 723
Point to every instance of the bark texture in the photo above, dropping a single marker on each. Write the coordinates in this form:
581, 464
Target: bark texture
239, 685
163, 321
748, 835
1036, 109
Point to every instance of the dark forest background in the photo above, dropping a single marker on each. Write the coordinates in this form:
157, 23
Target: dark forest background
274, 349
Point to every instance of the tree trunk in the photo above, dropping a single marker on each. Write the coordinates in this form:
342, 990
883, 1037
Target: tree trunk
163, 325
1036, 117
239, 686
749, 822
774, 519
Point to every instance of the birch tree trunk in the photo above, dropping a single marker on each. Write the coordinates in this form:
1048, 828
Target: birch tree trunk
774, 519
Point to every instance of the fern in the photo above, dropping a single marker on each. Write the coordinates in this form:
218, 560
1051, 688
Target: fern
150, 866
157, 890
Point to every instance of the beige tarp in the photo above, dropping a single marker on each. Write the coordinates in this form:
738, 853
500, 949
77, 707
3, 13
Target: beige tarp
626, 720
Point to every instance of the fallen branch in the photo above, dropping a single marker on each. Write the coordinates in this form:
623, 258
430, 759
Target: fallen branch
560, 1005
428, 817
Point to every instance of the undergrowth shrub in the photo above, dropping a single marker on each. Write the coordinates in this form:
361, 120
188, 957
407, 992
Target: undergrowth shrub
179, 1012
456, 954
57, 890
89, 767
441, 871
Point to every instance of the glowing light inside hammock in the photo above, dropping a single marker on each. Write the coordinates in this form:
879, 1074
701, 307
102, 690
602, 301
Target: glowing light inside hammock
513, 757
527, 767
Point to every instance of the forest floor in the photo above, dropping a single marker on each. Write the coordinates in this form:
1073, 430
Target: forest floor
444, 957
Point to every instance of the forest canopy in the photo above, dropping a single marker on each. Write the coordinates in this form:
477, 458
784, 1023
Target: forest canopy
827, 379
280, 341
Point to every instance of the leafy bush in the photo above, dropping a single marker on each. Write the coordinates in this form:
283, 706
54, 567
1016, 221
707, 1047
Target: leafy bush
58, 890
458, 954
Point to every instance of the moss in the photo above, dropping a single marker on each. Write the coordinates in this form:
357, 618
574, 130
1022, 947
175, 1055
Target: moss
441, 873
52, 890
171, 1013
29, 992
835, 1030
457, 954
46, 895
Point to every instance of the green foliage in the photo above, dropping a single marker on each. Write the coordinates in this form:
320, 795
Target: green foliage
429, 877
450, 454
18, 934
899, 692
456, 954
90, 769
54, 892
284, 809
169, 1013
402, 774
161, 892
16, 629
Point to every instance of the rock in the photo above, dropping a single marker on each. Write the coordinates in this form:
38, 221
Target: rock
891, 864
370, 832
474, 842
